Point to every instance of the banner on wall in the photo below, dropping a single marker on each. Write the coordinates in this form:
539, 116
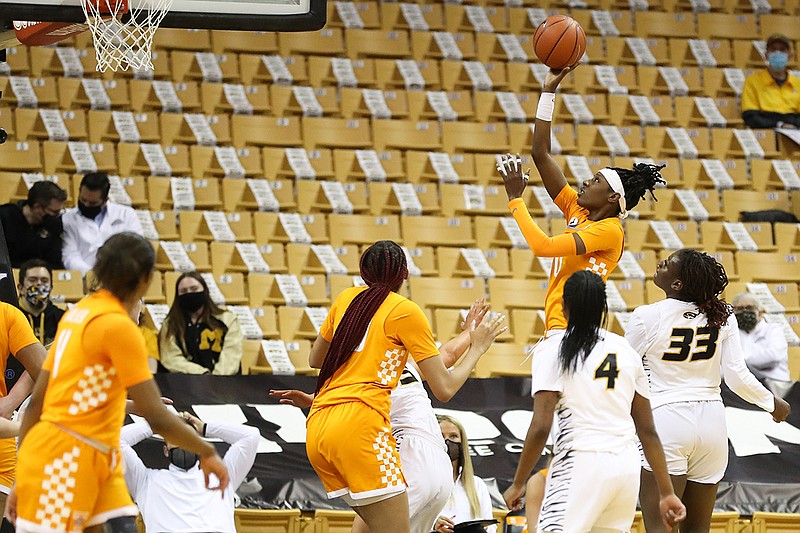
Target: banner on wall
763, 472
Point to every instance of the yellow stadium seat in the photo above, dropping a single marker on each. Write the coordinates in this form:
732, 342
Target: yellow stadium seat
243, 42
420, 169
383, 198
329, 41
363, 229
453, 265
652, 82
659, 144
267, 319
277, 166
67, 286
186, 66
455, 76
474, 137
366, 43
367, 12
29, 125
503, 359
22, 157
746, 55
420, 107
322, 74
437, 231
335, 133
285, 103
205, 162
695, 175
144, 98
670, 24
354, 103
764, 266
389, 75
727, 26
257, 363
294, 324
254, 71
102, 127
392, 16
726, 144
269, 229
133, 162
716, 238
775, 522
237, 194
265, 131
45, 89
263, 289
18, 61
787, 237
527, 325
175, 129
348, 168
619, 52
734, 202
215, 101
405, 135
45, 62
452, 293
621, 19
425, 48
194, 227
508, 294
180, 39
225, 257
312, 198
777, 23
303, 260
72, 94
58, 159
330, 521
785, 293
454, 201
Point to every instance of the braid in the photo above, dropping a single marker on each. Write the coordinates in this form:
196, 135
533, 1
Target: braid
585, 293
704, 279
637, 181
383, 268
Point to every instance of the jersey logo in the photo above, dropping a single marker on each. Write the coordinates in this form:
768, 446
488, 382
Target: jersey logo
573, 222
598, 267
690, 315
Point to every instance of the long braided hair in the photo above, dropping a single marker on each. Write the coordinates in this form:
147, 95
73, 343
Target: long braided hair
383, 268
643, 177
703, 280
585, 302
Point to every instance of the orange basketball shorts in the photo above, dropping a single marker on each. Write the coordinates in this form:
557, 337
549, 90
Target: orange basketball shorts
8, 464
352, 449
66, 485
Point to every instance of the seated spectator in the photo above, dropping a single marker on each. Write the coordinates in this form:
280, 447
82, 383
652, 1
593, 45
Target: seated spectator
93, 221
771, 97
176, 499
34, 287
33, 227
766, 351
198, 337
150, 336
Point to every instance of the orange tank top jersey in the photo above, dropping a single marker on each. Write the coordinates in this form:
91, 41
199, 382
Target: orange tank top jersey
604, 240
398, 329
98, 353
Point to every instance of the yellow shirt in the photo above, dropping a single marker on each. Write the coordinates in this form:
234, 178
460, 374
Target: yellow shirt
398, 329
761, 93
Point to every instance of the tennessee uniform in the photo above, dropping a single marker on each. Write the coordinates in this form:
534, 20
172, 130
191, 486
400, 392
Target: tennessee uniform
682, 357
596, 444
349, 438
70, 465
17, 334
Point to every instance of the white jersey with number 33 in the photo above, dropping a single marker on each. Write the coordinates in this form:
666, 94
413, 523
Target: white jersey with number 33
682, 355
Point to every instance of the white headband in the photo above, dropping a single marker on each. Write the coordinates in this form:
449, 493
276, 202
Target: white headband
614, 181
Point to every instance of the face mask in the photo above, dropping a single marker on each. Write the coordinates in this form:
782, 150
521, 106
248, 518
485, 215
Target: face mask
183, 459
747, 320
37, 295
778, 60
192, 301
89, 212
453, 450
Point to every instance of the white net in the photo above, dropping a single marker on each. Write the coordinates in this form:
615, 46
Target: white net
123, 31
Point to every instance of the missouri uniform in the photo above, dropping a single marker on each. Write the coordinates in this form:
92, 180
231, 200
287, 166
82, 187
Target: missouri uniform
69, 462
349, 439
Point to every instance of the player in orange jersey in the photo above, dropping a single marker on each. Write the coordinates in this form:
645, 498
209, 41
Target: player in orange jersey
594, 239
70, 466
361, 350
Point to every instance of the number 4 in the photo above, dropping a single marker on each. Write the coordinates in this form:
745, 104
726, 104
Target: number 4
608, 370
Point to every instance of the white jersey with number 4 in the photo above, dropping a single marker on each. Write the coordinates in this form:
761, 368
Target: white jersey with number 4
683, 355
594, 408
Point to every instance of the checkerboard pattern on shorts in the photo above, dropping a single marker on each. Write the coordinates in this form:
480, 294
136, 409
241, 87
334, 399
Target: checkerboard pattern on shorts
390, 367
386, 454
58, 491
92, 389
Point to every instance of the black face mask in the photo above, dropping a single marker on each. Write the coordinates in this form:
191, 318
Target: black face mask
183, 459
89, 211
192, 301
747, 320
454, 450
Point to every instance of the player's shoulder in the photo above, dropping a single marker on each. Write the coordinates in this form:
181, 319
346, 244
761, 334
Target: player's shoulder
618, 342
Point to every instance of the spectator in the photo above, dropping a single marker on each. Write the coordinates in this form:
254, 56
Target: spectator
766, 351
150, 341
176, 499
33, 227
771, 97
198, 337
34, 285
95, 219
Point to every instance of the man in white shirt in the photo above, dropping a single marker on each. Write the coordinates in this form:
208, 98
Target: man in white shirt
176, 499
93, 221
766, 351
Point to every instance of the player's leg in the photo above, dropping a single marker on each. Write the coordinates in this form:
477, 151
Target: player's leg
699, 500
389, 515
534, 494
429, 475
649, 500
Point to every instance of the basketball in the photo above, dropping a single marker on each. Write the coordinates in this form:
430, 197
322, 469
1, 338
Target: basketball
559, 41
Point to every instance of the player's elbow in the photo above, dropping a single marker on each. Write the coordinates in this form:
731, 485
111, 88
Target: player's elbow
443, 391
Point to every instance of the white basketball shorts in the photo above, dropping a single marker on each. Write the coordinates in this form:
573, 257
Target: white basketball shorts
429, 475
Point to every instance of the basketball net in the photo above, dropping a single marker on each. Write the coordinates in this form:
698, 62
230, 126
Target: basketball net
123, 31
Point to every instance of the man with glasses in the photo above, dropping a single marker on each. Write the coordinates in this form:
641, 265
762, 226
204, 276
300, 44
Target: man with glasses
766, 351
35, 283
33, 227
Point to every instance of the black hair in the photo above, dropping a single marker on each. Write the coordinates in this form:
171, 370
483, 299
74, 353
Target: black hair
34, 263
584, 300
643, 177
123, 261
97, 181
43, 192
703, 280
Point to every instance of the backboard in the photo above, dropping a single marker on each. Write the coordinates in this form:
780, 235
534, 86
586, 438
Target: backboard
248, 15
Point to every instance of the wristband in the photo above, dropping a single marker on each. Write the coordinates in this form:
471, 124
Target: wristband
544, 111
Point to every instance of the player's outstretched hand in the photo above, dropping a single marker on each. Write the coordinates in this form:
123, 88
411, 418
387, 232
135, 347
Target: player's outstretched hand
672, 510
476, 312
10, 512
782, 409
513, 497
554, 77
212, 464
514, 179
294, 397
482, 335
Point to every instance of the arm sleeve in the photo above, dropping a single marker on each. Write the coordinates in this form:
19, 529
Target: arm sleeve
545, 373
603, 235
244, 444
539, 242
173, 359
230, 358
135, 471
757, 119
413, 330
20, 334
69, 252
738, 377
772, 352
121, 341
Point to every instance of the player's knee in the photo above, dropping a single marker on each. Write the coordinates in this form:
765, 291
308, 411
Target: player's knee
121, 524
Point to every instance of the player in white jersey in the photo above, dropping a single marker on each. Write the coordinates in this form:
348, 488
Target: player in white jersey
684, 341
596, 385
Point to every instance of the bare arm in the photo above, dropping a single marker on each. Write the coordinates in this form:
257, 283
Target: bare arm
318, 352
21, 389
453, 349
32, 357
34, 409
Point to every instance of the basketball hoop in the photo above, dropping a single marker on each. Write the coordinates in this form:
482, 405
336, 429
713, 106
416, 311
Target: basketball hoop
123, 31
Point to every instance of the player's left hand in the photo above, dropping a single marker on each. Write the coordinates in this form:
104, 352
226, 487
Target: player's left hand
514, 179
476, 312
513, 497
782, 409
672, 510
10, 511
294, 397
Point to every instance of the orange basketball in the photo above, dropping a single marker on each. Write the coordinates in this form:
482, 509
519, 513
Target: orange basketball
559, 41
